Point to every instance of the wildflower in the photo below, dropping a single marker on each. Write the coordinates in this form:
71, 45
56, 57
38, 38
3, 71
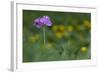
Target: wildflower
55, 28
34, 38
83, 49
61, 27
70, 28
80, 27
59, 30
48, 45
87, 24
37, 36
66, 34
41, 21
59, 34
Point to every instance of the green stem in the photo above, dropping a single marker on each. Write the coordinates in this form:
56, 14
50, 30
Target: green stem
44, 35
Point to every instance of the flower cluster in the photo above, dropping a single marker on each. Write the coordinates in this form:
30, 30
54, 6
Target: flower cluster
42, 21
62, 30
58, 30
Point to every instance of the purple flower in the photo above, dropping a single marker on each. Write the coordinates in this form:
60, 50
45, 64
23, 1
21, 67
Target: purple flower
41, 21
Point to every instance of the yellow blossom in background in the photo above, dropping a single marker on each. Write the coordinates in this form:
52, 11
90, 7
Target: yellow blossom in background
79, 27
87, 24
33, 38
58, 30
70, 28
59, 34
83, 49
66, 34
48, 45
55, 28
37, 36
61, 27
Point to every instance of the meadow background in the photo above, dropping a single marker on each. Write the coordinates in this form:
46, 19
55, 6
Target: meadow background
69, 38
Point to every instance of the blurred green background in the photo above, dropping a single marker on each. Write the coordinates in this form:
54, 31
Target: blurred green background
69, 38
